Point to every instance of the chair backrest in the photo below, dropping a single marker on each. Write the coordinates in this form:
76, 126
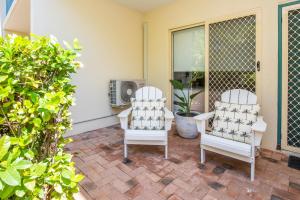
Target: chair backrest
239, 96
148, 93
235, 115
148, 109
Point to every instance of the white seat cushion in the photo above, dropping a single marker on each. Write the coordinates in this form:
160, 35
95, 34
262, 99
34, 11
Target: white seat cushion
226, 145
153, 135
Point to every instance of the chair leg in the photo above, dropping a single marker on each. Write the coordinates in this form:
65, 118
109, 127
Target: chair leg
125, 150
166, 151
252, 170
202, 156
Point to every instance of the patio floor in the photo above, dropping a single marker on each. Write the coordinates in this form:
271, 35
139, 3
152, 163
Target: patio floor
99, 154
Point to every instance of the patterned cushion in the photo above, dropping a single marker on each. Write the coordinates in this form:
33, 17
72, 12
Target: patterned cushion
234, 121
148, 114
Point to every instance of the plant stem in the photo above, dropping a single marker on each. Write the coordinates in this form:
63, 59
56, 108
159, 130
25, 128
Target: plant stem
7, 121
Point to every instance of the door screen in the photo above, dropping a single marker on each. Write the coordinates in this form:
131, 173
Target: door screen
291, 79
232, 56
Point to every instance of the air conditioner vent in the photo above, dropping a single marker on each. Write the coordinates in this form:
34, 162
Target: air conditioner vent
121, 91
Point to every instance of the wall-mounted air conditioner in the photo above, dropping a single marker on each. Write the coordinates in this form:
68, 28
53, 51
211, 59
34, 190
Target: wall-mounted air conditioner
122, 90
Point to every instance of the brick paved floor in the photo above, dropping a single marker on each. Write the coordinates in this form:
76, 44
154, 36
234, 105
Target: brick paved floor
99, 154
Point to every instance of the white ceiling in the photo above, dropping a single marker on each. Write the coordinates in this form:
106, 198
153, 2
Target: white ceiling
144, 5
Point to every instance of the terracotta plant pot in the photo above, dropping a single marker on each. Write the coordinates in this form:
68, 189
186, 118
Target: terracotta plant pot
186, 125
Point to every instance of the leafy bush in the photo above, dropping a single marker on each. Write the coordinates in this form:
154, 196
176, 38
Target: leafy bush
35, 95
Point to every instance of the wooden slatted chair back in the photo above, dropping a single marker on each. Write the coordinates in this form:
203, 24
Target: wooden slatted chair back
148, 93
239, 96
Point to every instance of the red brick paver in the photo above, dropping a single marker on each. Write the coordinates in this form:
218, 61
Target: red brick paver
99, 155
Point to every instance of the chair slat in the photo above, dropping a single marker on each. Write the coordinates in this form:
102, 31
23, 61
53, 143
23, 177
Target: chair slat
147, 93
239, 96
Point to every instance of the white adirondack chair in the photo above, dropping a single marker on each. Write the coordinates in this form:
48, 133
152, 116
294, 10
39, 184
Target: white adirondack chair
226, 146
146, 137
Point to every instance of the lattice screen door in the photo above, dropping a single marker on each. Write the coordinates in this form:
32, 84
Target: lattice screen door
291, 78
232, 56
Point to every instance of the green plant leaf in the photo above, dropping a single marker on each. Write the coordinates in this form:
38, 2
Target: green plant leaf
20, 193
29, 154
7, 192
181, 104
34, 97
192, 96
182, 99
78, 178
38, 169
3, 78
4, 145
37, 122
29, 184
1, 185
58, 188
21, 164
27, 104
76, 44
11, 176
177, 84
66, 174
46, 115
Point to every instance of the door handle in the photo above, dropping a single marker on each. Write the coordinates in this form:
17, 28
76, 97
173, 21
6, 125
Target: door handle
258, 66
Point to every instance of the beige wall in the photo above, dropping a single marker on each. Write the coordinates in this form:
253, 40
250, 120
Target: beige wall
112, 40
186, 12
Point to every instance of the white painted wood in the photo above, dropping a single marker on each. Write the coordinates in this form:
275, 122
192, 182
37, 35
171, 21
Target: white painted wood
226, 145
166, 151
125, 150
124, 118
234, 149
146, 137
168, 119
148, 93
226, 153
252, 170
153, 135
260, 125
205, 116
202, 156
239, 96
147, 142
125, 113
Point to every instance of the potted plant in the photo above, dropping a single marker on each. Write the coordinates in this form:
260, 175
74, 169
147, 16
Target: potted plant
185, 123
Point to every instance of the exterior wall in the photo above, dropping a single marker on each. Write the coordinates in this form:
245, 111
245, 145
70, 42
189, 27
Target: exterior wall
183, 13
112, 40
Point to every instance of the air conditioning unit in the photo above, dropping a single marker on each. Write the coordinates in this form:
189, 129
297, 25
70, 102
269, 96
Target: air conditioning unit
122, 90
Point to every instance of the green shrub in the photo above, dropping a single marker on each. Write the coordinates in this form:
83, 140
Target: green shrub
35, 95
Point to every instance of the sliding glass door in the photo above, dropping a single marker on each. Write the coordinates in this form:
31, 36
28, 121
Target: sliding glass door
188, 50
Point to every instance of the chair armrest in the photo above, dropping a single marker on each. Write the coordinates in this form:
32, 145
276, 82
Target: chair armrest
124, 118
168, 119
125, 113
260, 125
200, 121
168, 114
204, 116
